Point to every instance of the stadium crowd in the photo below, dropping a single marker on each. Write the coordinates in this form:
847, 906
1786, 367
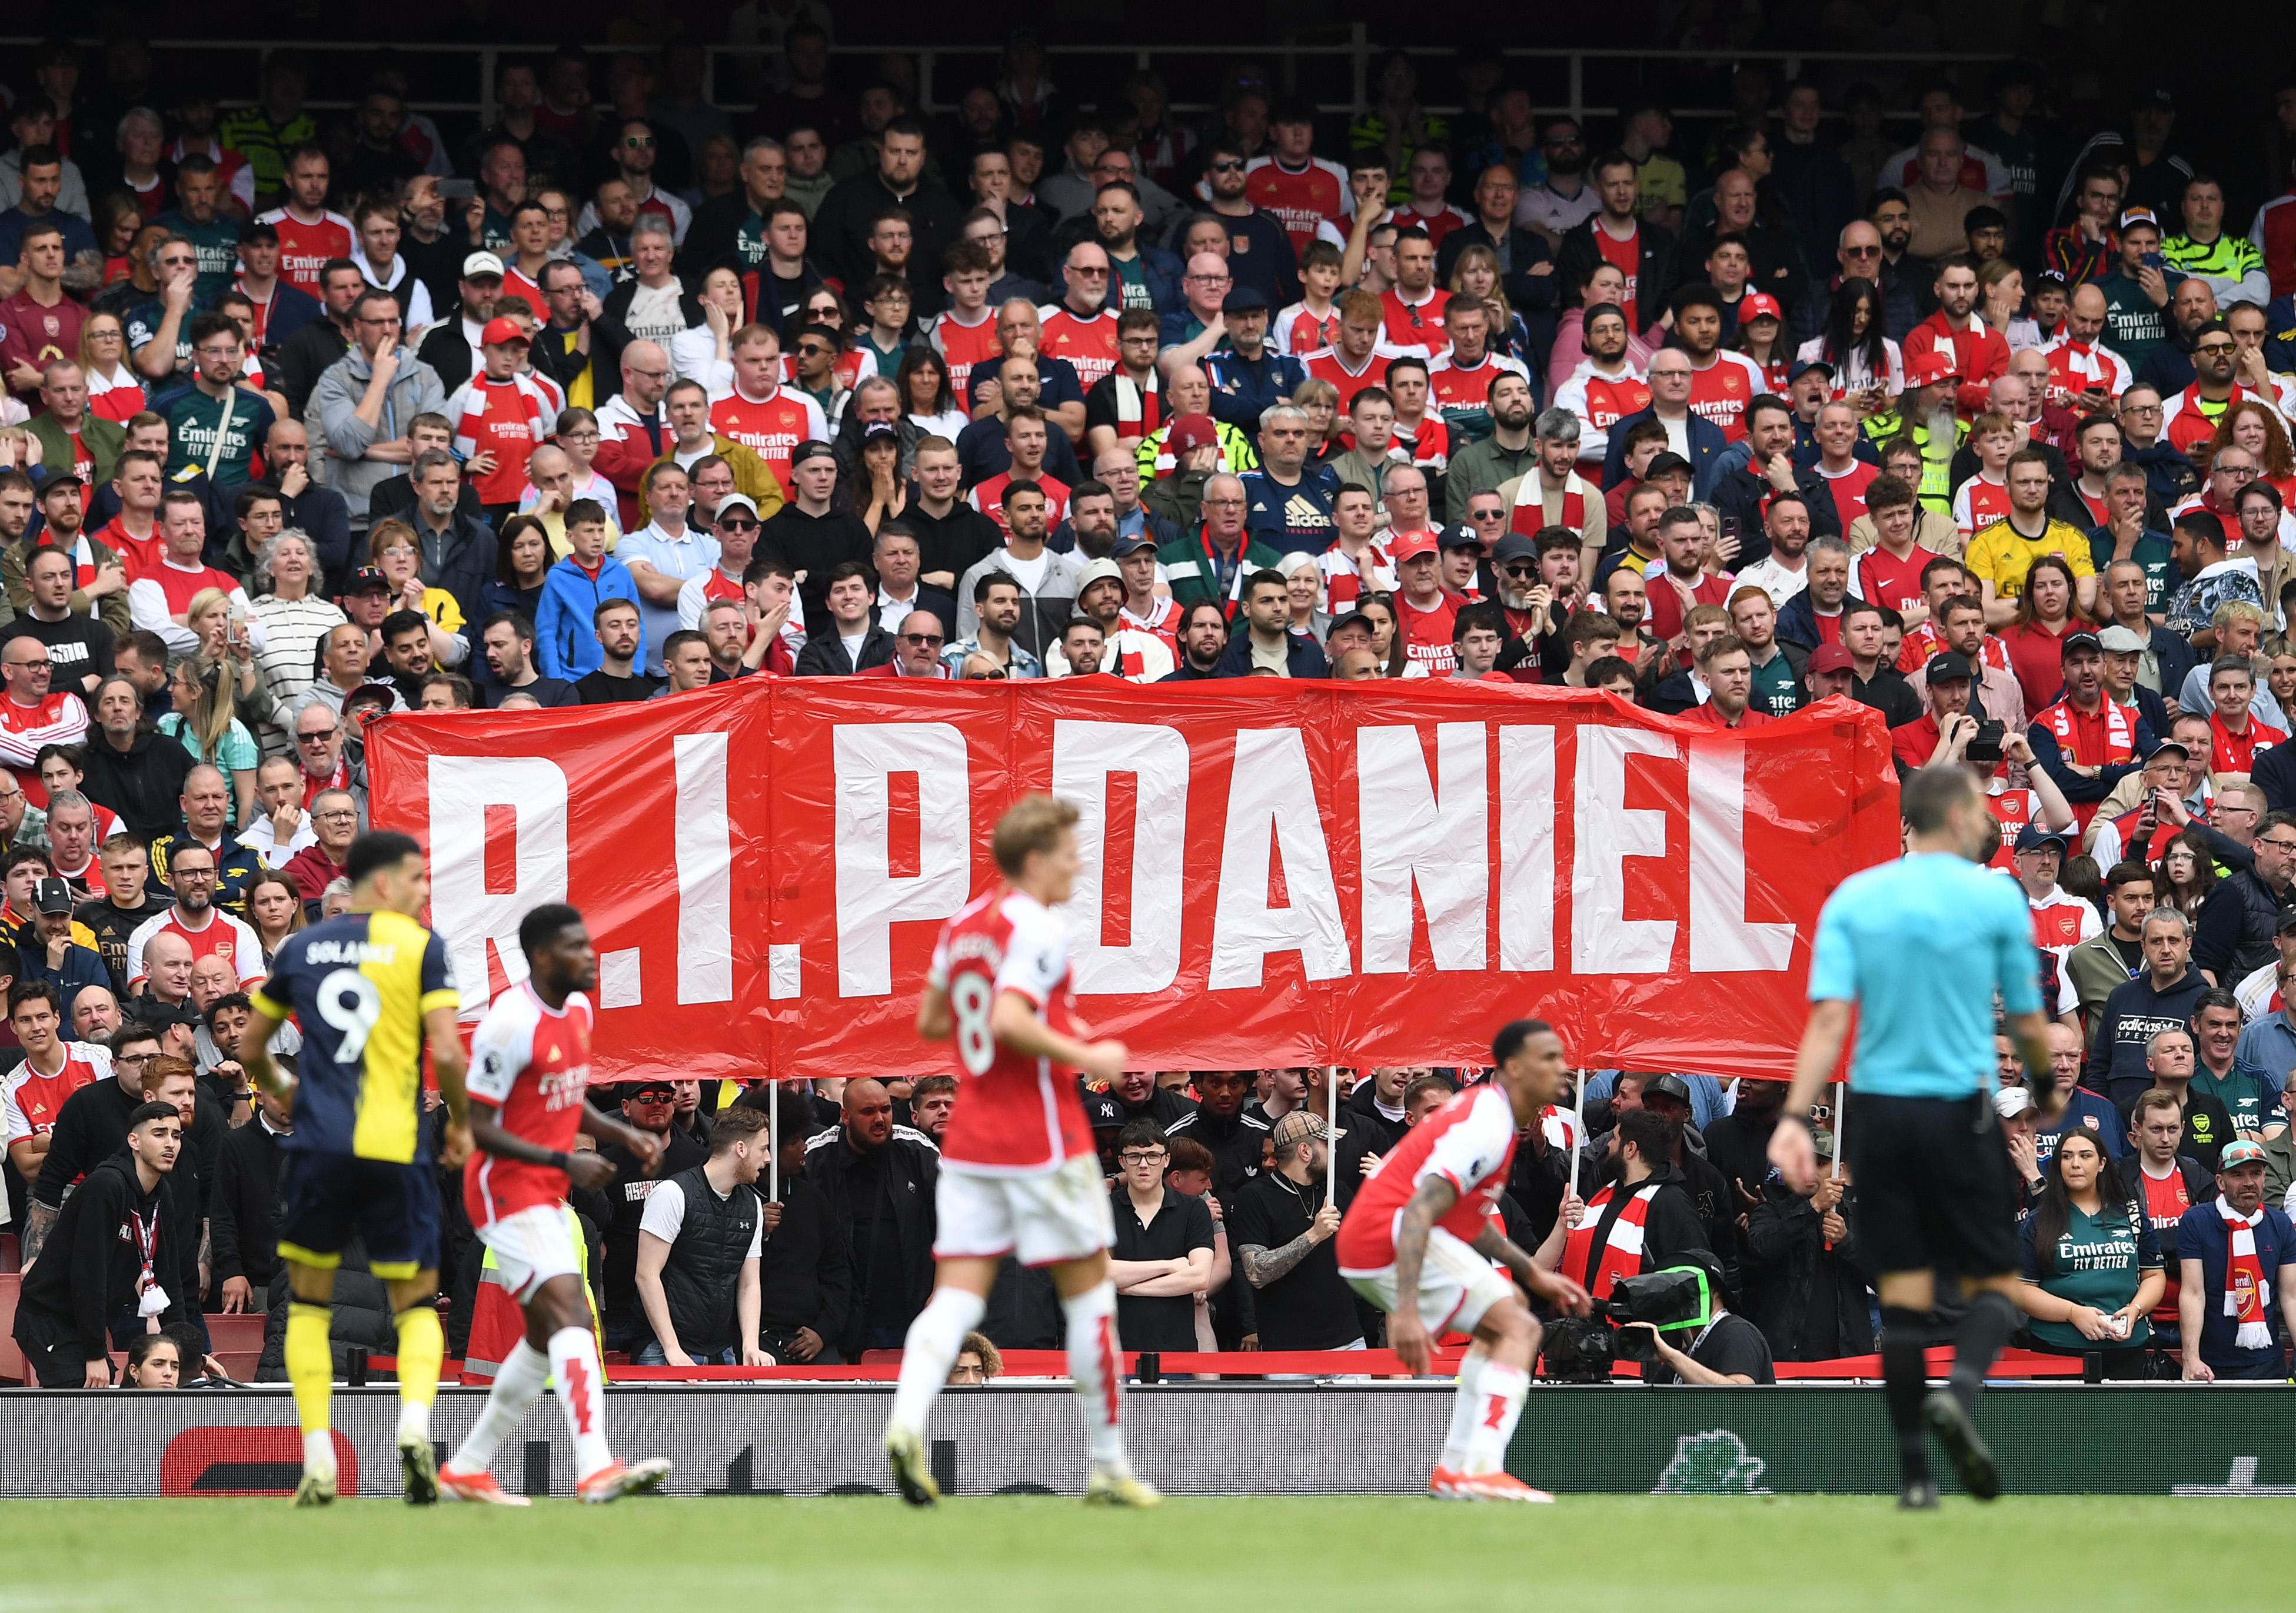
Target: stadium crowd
309, 419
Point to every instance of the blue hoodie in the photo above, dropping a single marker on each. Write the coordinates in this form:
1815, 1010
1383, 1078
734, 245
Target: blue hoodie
564, 640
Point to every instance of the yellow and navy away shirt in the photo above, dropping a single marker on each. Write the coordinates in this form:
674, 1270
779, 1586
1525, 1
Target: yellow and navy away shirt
360, 984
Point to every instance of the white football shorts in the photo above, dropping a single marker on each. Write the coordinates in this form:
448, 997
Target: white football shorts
1456, 1286
1044, 1217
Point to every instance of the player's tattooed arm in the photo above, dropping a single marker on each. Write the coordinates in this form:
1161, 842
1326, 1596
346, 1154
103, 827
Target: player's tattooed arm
39, 1221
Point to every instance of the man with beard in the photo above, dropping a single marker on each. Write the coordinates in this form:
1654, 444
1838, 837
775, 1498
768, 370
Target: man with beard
1606, 387
1203, 639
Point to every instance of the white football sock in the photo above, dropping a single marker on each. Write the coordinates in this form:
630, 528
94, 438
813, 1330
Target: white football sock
1465, 1407
1096, 1364
413, 1420
319, 1452
574, 1366
930, 1350
1499, 1404
518, 1383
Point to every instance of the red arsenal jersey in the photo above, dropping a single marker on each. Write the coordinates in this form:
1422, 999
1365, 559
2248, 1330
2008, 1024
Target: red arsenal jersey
304, 247
1884, 579
773, 427
1438, 224
1089, 345
1427, 633
1610, 401
533, 1063
1849, 488
963, 347
1721, 391
1299, 332
1469, 1142
2236, 752
1299, 200
1626, 258
989, 498
1015, 1115
1415, 327
1328, 365
32, 1099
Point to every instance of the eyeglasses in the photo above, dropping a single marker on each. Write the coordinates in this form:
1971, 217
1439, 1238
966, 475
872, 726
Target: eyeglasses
2279, 845
921, 639
320, 738
1142, 1155
2215, 350
578, 436
337, 816
654, 1095
1091, 273
637, 139
131, 1061
2131, 408
42, 666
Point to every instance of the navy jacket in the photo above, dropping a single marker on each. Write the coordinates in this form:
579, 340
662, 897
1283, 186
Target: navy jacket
1303, 656
1707, 441
1157, 267
2130, 1019
1743, 494
1244, 388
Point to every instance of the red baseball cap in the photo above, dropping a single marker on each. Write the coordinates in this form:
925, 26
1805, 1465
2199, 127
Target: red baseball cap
1831, 658
1410, 544
1927, 369
501, 332
1759, 305
1191, 432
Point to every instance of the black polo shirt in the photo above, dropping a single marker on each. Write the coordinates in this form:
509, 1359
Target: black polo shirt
1310, 1306
1182, 1225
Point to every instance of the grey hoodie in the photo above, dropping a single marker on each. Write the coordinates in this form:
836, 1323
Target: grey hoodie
415, 389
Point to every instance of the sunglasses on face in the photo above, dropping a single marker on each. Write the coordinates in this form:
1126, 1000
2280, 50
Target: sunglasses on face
921, 639
737, 524
1226, 165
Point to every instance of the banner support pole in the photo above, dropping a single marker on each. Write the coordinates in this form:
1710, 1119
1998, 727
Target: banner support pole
1841, 1109
774, 1141
1331, 1133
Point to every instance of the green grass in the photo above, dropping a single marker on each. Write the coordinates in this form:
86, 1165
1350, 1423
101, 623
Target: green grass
1014, 1555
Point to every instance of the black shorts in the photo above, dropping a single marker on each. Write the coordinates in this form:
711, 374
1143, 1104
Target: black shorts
393, 1207
1935, 1187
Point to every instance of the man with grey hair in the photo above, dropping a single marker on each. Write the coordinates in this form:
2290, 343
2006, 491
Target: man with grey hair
1287, 502
2158, 999
1820, 600
1552, 494
1213, 562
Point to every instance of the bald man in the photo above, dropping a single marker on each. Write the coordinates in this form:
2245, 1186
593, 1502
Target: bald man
632, 432
882, 1178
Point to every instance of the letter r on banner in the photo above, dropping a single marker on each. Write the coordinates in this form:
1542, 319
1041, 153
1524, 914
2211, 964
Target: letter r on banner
870, 898
1084, 754
462, 909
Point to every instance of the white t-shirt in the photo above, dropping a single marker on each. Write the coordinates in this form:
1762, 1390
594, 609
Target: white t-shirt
853, 642
1775, 580
1677, 435
665, 1214
1028, 573
654, 314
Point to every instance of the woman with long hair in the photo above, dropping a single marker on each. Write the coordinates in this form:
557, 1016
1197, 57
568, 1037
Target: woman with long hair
1869, 369
521, 561
2001, 303
877, 491
274, 910
705, 353
2257, 429
2093, 1267
205, 722
118, 218
115, 391
1387, 636
1606, 286
2048, 611
926, 396
293, 615
2186, 874
1476, 274
235, 646
1762, 336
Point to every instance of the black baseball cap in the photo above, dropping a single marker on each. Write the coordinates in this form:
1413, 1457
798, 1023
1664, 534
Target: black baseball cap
52, 895
1125, 547
366, 578
813, 448
1461, 536
1513, 545
1947, 663
2076, 641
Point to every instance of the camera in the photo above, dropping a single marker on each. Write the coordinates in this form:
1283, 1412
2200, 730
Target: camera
1676, 1299
1985, 744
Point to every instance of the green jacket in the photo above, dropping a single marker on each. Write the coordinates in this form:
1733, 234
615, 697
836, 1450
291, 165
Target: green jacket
1481, 467
2096, 968
16, 593
1192, 575
104, 440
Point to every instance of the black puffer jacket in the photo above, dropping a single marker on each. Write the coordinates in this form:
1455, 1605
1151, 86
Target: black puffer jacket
912, 1173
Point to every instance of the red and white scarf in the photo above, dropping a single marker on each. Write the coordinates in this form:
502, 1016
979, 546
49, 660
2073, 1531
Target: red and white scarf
1623, 1251
1530, 517
2119, 732
2243, 1296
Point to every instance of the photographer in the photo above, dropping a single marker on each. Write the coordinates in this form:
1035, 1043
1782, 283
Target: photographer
1728, 1351
1950, 731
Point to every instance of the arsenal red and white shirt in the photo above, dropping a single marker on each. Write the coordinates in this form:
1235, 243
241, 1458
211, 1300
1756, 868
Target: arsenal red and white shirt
1300, 199
532, 1063
1721, 391
772, 427
222, 936
32, 1100
1015, 1115
305, 245
1469, 1142
1088, 344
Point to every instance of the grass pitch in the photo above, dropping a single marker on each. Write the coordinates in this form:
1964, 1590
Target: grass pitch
1019, 1554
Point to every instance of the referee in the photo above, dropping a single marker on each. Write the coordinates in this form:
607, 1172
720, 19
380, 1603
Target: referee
1919, 947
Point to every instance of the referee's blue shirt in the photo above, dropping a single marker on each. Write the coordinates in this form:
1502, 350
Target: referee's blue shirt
1920, 945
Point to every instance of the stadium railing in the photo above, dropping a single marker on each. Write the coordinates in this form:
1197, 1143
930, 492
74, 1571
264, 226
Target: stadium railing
1572, 78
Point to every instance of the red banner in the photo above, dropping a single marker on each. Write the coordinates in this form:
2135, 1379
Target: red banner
1320, 873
